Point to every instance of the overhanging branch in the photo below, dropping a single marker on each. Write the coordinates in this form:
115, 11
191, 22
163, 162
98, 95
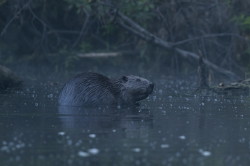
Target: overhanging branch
136, 29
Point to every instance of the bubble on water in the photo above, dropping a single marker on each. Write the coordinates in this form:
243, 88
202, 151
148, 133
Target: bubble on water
182, 137
11, 144
114, 130
5, 149
83, 154
137, 150
78, 143
50, 95
69, 142
205, 153
93, 151
17, 158
177, 154
36, 104
62, 133
160, 91
20, 145
92, 135
164, 146
202, 104
242, 140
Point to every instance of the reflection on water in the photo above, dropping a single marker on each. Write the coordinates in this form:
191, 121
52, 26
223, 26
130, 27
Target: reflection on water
172, 127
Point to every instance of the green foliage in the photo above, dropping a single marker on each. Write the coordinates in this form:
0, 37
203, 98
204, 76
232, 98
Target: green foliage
70, 62
79, 5
243, 21
85, 46
2, 2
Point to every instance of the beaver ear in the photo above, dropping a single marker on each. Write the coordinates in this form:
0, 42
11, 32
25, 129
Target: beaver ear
124, 79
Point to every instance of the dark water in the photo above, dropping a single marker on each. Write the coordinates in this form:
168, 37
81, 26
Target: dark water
171, 127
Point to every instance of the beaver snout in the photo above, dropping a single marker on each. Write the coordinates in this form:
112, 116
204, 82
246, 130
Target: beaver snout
150, 88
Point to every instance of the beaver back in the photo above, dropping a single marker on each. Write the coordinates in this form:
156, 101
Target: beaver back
89, 89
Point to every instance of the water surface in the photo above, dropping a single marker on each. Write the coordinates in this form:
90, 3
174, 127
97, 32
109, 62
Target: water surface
172, 127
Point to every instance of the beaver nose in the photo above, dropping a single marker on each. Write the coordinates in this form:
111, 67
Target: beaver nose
151, 87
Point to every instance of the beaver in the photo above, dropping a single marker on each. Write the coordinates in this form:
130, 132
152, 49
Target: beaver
96, 89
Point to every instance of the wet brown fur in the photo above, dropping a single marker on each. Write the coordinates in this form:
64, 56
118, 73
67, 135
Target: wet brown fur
93, 88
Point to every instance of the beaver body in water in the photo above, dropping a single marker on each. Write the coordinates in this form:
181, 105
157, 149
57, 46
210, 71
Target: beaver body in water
96, 89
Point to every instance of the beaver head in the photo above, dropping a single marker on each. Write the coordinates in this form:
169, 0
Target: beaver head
134, 88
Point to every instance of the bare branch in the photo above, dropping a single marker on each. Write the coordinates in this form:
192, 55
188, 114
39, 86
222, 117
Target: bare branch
13, 18
136, 29
82, 29
208, 36
99, 55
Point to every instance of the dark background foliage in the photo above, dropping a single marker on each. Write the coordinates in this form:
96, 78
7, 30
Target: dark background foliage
37, 29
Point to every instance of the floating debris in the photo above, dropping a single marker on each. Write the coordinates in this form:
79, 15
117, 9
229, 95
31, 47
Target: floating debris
137, 150
182, 137
62, 133
93, 151
164, 146
92, 135
83, 154
204, 153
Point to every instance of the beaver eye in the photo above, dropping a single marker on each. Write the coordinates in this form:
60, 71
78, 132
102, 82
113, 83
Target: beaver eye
124, 78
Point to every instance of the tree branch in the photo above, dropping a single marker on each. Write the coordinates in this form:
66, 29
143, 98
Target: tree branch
136, 29
14, 17
207, 36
